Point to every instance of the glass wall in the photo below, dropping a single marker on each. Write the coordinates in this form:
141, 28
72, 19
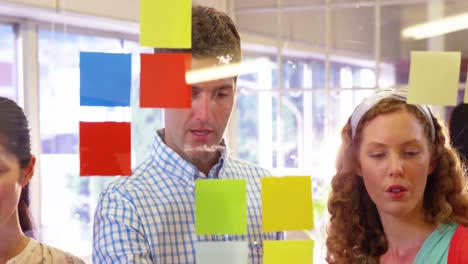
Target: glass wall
8, 83
328, 56
68, 200
318, 60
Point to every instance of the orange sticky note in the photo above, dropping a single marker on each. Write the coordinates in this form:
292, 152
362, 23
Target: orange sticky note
287, 203
162, 80
166, 23
105, 148
294, 251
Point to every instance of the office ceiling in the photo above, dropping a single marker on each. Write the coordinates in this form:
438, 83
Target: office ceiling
352, 24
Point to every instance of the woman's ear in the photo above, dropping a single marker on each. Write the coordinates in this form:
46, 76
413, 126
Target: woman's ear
28, 171
357, 170
357, 167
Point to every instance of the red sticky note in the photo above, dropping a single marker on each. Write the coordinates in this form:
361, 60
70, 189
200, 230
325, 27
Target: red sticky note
105, 148
162, 80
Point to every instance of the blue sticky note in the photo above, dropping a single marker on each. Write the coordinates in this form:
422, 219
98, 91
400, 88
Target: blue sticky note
221, 252
105, 79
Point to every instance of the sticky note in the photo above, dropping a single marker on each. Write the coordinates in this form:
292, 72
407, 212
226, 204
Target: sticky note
293, 251
221, 252
287, 203
434, 77
220, 207
162, 80
166, 24
105, 148
105, 79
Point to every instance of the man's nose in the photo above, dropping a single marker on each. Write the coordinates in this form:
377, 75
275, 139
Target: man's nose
201, 107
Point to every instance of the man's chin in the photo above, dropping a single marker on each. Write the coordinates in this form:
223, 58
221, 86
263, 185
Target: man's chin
203, 148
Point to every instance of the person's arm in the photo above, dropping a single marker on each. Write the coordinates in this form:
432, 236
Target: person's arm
117, 233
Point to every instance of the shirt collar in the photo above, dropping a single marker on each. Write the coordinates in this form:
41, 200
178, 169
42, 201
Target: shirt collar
176, 166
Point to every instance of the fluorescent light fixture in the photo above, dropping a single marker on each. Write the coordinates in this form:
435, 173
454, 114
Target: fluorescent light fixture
437, 27
227, 70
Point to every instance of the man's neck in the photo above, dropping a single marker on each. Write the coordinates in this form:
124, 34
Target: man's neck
206, 164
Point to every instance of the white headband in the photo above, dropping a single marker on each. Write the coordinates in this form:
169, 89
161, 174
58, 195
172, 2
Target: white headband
375, 98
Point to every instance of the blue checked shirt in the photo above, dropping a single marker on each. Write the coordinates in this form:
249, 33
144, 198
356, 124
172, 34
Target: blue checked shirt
149, 217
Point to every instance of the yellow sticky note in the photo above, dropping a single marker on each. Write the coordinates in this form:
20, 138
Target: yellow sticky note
434, 78
293, 251
287, 203
166, 24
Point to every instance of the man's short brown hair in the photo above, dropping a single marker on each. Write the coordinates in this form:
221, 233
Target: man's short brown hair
213, 35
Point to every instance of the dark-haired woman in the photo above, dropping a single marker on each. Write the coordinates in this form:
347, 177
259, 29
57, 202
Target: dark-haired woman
16, 170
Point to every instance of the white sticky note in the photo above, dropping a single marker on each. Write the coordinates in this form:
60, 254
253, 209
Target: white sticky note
221, 252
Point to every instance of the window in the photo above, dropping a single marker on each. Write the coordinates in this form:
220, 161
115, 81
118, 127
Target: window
68, 200
8, 86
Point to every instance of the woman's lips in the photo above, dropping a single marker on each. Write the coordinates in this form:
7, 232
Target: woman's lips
396, 191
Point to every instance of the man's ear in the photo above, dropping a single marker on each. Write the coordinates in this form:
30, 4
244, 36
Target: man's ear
28, 171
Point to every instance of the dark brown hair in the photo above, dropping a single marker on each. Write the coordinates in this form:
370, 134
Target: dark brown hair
458, 125
15, 132
213, 35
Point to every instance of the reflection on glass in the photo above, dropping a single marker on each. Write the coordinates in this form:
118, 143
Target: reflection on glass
303, 73
68, 201
7, 62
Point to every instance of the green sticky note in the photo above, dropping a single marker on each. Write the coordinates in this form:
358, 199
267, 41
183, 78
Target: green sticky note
287, 203
220, 207
293, 251
434, 77
166, 24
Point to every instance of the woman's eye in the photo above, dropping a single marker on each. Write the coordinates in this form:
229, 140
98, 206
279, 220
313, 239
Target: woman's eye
411, 153
377, 155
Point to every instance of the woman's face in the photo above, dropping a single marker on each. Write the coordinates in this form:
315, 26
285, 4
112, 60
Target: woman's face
12, 179
395, 162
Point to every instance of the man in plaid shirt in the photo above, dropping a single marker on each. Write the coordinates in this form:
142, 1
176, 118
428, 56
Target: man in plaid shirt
149, 217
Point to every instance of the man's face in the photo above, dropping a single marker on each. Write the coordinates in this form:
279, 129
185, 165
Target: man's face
195, 133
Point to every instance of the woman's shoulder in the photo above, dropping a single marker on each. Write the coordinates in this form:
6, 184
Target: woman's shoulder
59, 256
458, 245
37, 252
